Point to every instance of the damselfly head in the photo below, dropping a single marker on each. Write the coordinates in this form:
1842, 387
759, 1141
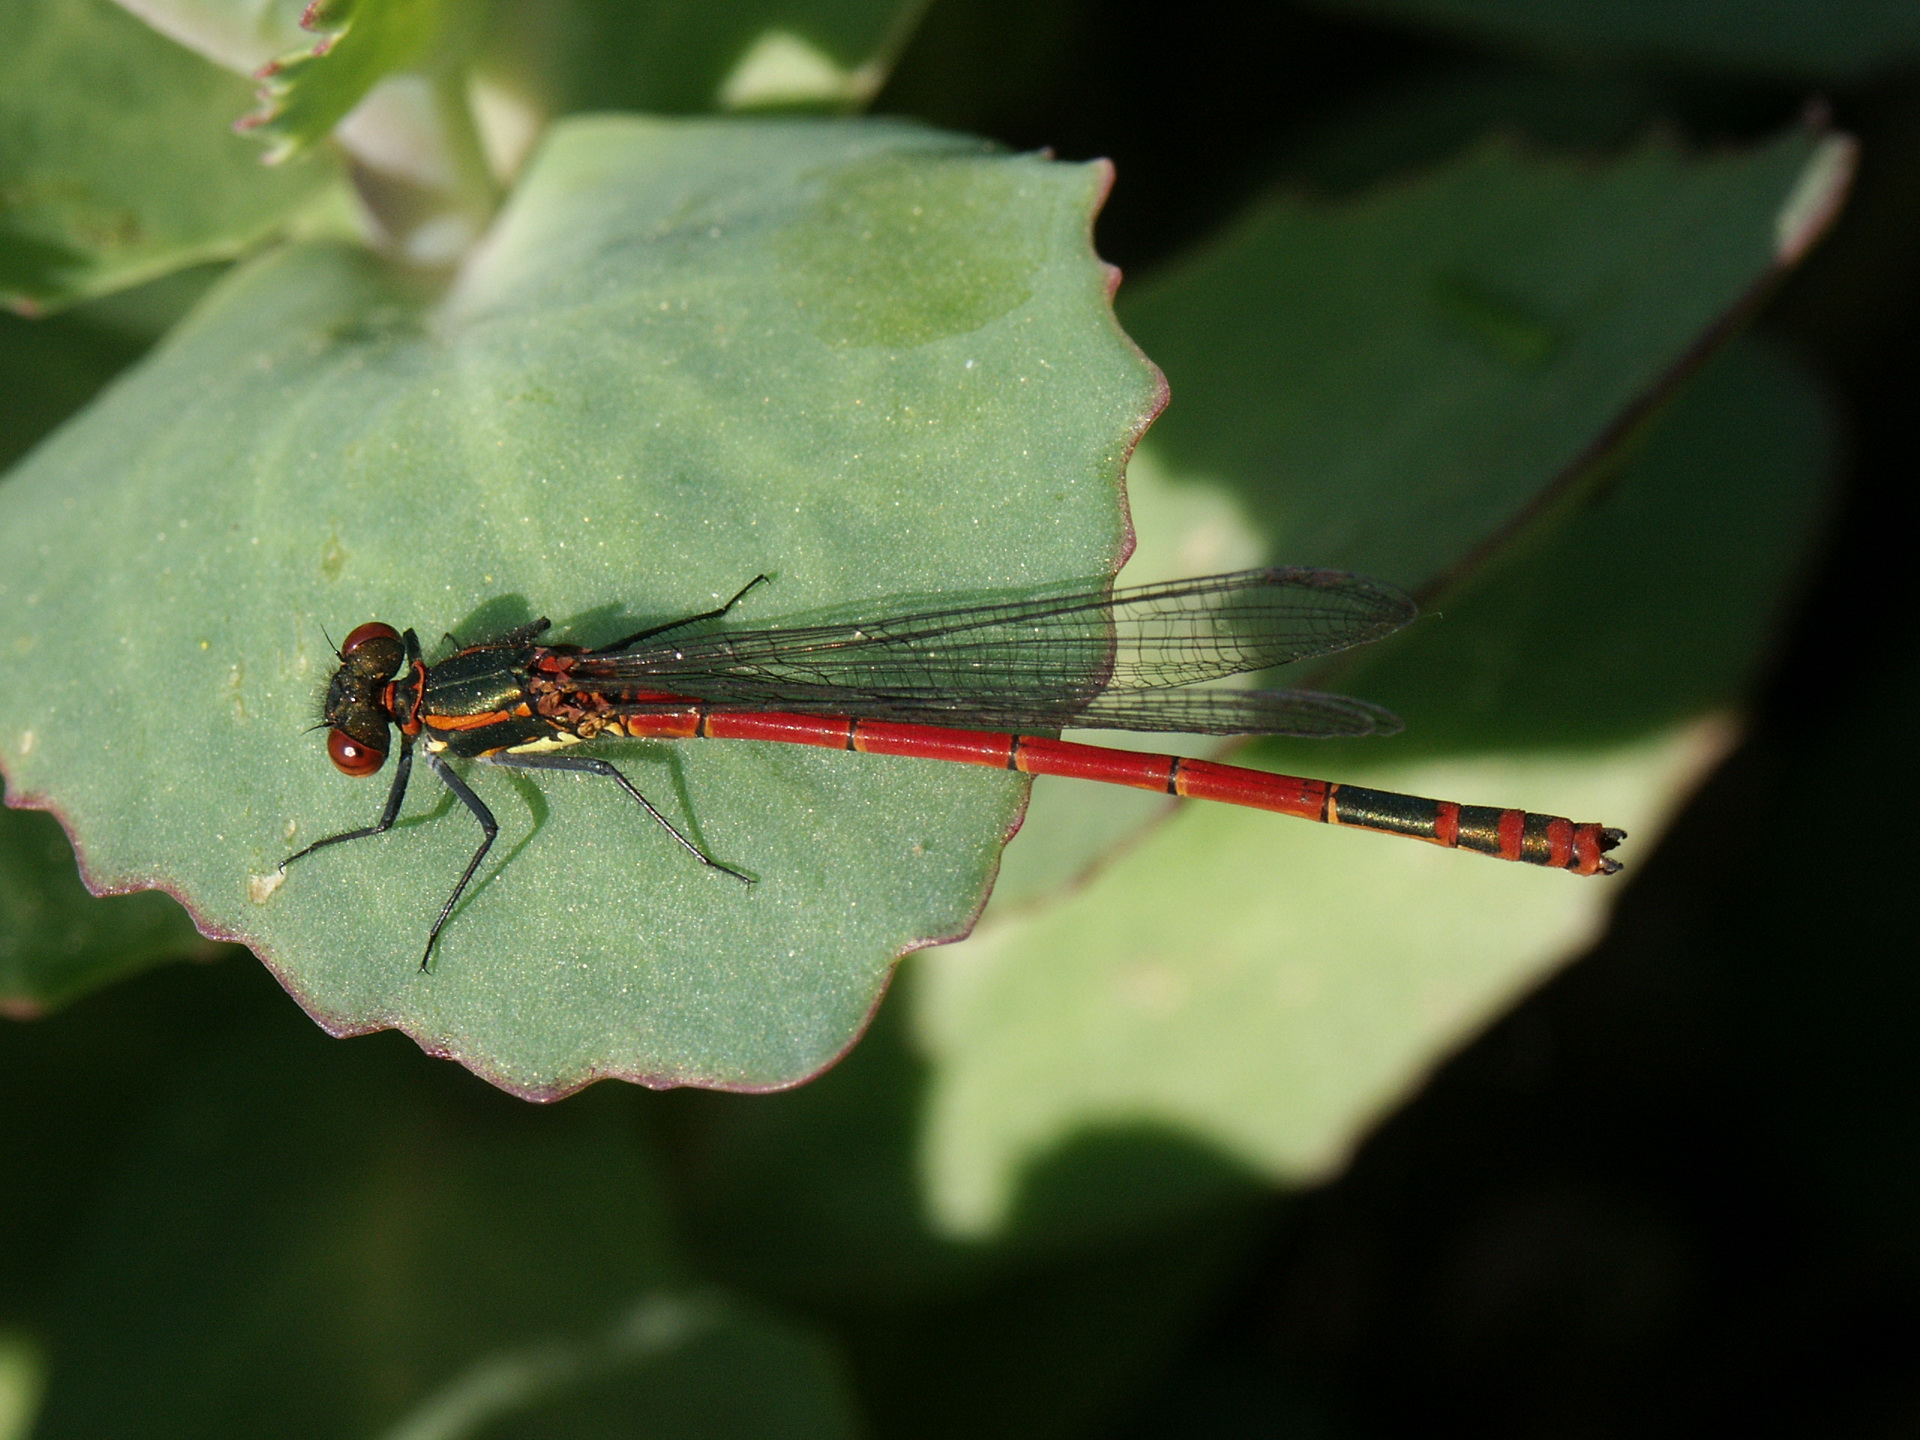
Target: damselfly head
358, 723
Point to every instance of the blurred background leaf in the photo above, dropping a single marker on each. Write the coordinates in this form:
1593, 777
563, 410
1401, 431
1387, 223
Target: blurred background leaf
568, 56
239, 35
427, 1258
1829, 40
50, 368
56, 940
116, 161
353, 45
1447, 348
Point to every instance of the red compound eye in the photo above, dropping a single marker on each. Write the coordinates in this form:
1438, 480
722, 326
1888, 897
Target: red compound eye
361, 634
350, 755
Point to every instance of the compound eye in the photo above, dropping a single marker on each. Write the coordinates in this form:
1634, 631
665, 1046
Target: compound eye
351, 756
361, 634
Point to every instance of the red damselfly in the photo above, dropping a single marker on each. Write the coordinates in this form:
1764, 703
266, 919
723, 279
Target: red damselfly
984, 683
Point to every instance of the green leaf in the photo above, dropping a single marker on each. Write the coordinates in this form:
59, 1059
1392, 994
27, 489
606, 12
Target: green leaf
1823, 39
48, 370
22, 1377
679, 1366
56, 941
816, 1196
867, 359
813, 1197
672, 58
116, 158
1269, 988
1386, 383
341, 1242
304, 94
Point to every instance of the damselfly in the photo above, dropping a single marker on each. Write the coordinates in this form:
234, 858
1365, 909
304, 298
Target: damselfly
985, 683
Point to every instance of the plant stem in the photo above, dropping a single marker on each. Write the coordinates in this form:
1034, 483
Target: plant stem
474, 181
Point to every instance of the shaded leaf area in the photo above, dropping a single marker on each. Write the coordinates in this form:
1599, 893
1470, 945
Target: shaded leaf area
684, 1368
1390, 383
1432, 118
1640, 604
357, 43
818, 1196
96, 195
815, 1198
1798, 39
651, 386
138, 315
1057, 1346
669, 58
57, 941
343, 1240
48, 370
1385, 383
1271, 987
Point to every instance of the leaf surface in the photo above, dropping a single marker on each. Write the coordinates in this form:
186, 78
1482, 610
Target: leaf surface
866, 359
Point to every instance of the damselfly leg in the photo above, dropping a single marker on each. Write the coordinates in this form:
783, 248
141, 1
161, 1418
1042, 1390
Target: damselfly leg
667, 629
489, 829
587, 765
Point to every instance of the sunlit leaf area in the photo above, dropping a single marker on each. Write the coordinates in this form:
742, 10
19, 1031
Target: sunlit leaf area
946, 1101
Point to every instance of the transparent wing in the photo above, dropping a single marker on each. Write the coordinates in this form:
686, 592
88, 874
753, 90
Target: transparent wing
1308, 714
1073, 655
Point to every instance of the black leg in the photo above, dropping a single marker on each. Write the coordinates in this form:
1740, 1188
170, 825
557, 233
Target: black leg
638, 636
395, 797
587, 765
489, 828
